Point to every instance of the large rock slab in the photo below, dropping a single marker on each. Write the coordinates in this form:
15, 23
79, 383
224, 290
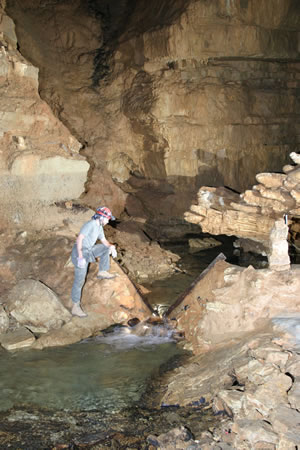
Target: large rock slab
204, 376
36, 306
229, 301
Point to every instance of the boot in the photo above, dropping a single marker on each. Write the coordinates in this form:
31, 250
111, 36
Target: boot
77, 311
103, 275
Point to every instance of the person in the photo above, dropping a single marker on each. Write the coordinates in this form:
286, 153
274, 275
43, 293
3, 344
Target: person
85, 251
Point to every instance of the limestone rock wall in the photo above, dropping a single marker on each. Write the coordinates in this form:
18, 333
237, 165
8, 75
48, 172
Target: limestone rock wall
231, 301
39, 158
169, 97
262, 213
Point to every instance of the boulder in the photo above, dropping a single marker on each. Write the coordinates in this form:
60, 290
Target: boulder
106, 302
36, 306
15, 340
175, 438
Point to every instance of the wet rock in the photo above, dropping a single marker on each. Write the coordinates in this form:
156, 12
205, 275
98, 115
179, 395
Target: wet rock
17, 339
189, 312
197, 380
231, 400
176, 438
34, 305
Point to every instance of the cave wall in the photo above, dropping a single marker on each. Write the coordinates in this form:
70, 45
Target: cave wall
40, 164
170, 96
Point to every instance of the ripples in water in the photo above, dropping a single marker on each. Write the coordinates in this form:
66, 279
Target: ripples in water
104, 373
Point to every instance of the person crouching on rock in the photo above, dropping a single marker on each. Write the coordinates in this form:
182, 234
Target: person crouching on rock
85, 251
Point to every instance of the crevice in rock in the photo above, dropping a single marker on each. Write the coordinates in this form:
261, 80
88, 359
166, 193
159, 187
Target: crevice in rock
288, 374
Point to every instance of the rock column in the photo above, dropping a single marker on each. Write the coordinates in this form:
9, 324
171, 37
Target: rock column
278, 255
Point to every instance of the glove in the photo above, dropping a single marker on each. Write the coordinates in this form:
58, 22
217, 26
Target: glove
113, 251
81, 263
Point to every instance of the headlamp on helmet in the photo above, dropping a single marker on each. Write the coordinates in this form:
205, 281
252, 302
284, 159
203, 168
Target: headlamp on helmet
104, 212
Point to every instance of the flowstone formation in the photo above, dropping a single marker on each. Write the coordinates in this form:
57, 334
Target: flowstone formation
168, 96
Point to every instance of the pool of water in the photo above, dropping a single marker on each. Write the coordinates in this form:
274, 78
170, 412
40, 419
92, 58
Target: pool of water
107, 373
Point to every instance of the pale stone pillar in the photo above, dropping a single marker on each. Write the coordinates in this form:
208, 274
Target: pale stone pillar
279, 248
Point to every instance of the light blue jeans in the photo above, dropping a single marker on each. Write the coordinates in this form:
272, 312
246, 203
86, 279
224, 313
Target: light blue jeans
99, 250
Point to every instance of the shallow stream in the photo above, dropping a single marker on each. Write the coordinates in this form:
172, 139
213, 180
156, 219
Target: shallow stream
98, 374
103, 390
